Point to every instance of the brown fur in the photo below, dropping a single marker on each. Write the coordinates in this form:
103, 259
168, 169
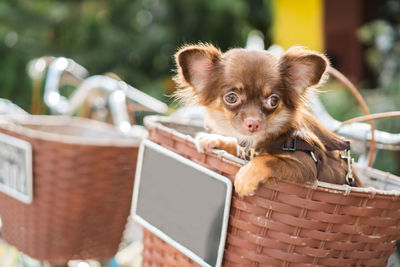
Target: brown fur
205, 76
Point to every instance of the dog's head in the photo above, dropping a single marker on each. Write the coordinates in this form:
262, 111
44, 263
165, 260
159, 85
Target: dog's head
248, 94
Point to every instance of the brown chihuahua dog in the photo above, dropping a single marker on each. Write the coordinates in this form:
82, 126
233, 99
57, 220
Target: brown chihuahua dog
261, 102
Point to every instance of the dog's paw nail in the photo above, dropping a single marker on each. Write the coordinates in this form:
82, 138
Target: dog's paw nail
245, 193
205, 143
244, 188
199, 144
199, 148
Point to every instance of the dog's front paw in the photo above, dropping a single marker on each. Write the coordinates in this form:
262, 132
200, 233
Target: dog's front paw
249, 178
245, 182
207, 142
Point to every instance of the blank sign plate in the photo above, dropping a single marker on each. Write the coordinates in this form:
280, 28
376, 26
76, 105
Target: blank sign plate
16, 168
182, 202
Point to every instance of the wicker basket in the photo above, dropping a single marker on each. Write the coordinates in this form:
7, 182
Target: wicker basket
82, 187
287, 224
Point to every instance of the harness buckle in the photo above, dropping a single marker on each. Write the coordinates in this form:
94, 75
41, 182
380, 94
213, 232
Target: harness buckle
293, 148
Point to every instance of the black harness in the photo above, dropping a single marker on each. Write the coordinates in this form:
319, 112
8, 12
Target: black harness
297, 144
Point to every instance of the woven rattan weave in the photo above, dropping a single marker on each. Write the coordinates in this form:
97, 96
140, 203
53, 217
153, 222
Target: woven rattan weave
82, 187
288, 224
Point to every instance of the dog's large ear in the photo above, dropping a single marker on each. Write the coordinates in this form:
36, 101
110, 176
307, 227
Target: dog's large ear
301, 68
196, 65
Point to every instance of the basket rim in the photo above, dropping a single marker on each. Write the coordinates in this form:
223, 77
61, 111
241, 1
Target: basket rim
155, 122
13, 123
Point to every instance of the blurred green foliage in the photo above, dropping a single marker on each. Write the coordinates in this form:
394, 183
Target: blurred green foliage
381, 38
137, 40
134, 39
342, 105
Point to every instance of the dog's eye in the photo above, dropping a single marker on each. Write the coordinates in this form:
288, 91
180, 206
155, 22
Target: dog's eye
272, 101
231, 98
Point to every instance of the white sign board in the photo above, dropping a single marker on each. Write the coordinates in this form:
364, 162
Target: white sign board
182, 202
16, 168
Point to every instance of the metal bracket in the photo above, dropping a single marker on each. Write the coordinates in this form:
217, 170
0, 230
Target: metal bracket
347, 156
